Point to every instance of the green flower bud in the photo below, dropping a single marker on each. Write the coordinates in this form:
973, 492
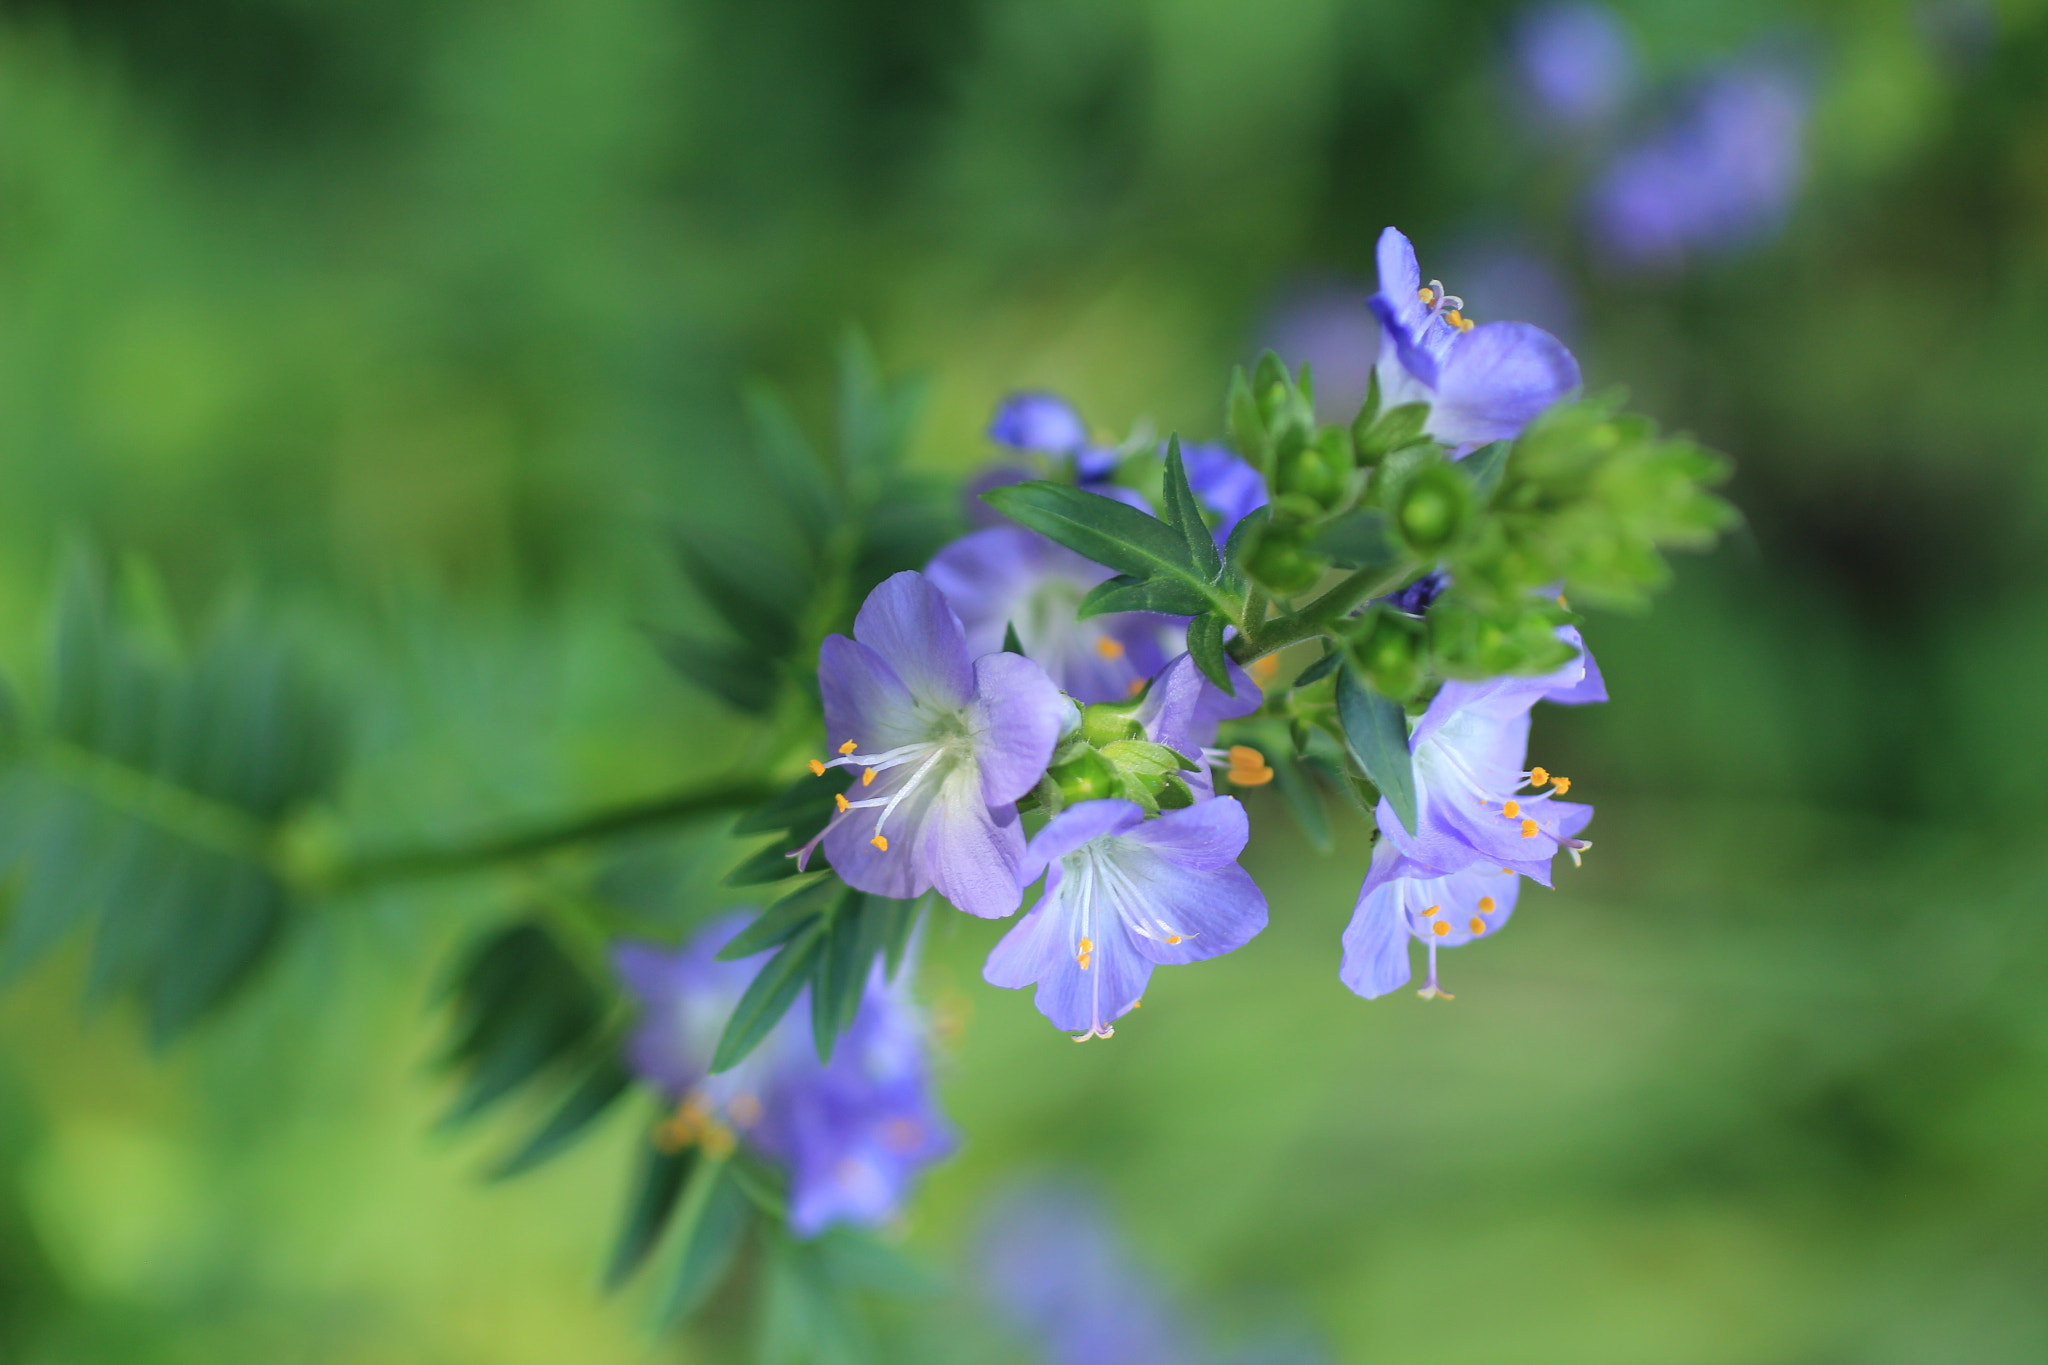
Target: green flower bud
1389, 651
1280, 563
1432, 506
1104, 723
1086, 778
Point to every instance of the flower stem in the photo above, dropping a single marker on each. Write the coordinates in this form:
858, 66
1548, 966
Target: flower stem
1319, 616
671, 809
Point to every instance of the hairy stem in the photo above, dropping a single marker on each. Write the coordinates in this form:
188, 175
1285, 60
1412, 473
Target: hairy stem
1317, 617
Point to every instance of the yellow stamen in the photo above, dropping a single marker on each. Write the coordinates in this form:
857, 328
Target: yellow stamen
1478, 925
1267, 668
1464, 324
1563, 785
848, 747
1137, 686
817, 768
839, 799
1486, 905
1250, 777
1086, 954
881, 841
1244, 756
1426, 294
1109, 649
1440, 928
1539, 777
1512, 810
1455, 318
1431, 911
1528, 829
1172, 938
867, 775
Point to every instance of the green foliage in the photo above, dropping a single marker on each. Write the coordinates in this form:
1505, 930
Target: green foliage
1376, 733
167, 802
522, 1010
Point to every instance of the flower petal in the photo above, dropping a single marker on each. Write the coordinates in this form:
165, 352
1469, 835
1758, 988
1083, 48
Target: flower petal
907, 622
1075, 826
1183, 708
1200, 837
1400, 280
1016, 720
1497, 377
864, 699
1038, 421
971, 853
1376, 941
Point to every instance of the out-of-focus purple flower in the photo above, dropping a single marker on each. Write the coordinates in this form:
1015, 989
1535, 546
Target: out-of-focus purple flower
1470, 749
1575, 60
1328, 327
1124, 894
1224, 484
1183, 710
1416, 597
944, 742
1517, 282
1722, 176
1402, 899
1483, 383
1048, 425
1007, 576
1052, 1266
853, 1134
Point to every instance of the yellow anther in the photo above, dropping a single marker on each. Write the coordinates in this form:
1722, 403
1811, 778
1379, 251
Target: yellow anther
1266, 668
1087, 953
1136, 686
745, 1110
1172, 939
1563, 785
1562, 603
848, 747
817, 768
881, 841
1512, 810
1431, 911
1464, 324
718, 1141
1539, 777
1455, 318
867, 775
1244, 756
1478, 925
1109, 649
839, 799
1426, 294
1136, 1003
1528, 829
1486, 905
1440, 928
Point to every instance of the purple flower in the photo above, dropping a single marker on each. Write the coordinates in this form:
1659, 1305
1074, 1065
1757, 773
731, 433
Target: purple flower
1723, 175
1575, 60
1470, 750
1326, 325
853, 1134
1053, 1266
1007, 576
1047, 424
1124, 894
1402, 899
944, 743
1483, 383
1183, 710
1222, 483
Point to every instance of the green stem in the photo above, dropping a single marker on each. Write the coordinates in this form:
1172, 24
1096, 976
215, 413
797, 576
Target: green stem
1318, 616
654, 813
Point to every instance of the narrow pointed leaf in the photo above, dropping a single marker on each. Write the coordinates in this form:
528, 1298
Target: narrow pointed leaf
1376, 731
656, 1187
773, 990
1104, 530
783, 920
1169, 596
1319, 670
710, 1230
1205, 643
601, 1086
1184, 514
1011, 644
805, 800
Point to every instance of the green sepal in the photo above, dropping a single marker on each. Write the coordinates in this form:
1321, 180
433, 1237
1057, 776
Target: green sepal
1011, 644
1395, 429
1359, 540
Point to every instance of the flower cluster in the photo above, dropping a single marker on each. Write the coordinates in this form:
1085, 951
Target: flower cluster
1074, 695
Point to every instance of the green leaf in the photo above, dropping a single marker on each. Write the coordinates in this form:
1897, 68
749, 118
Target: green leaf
655, 1189
1124, 593
1143, 756
1106, 531
1184, 514
792, 462
1359, 540
783, 920
753, 594
842, 973
1319, 670
738, 676
1393, 430
710, 1228
1369, 414
1485, 467
1205, 643
806, 801
1376, 731
1242, 537
1247, 428
774, 864
594, 1095
521, 1006
768, 997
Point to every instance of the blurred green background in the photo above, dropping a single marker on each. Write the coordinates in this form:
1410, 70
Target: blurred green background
432, 320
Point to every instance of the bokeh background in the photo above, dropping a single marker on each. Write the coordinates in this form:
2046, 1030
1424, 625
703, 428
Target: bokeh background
427, 323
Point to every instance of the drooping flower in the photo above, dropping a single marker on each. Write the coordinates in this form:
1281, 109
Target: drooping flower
853, 1134
1722, 176
944, 744
1402, 899
1006, 576
1183, 710
1575, 60
1470, 754
1483, 383
1051, 1265
1124, 894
